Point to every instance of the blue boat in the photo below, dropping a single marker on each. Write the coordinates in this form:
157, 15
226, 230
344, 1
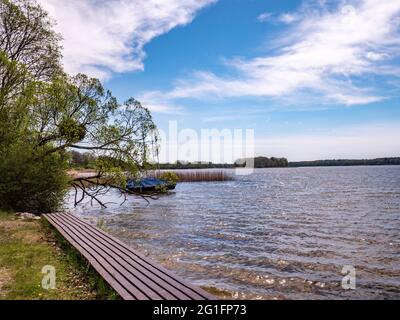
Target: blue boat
148, 184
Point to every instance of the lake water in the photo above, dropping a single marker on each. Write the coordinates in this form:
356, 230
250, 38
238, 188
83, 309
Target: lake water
276, 234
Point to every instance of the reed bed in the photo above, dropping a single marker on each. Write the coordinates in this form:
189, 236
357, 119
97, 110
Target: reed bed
187, 175
199, 175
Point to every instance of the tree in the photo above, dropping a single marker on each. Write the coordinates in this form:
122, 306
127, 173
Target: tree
78, 113
263, 162
27, 36
44, 113
28, 40
82, 160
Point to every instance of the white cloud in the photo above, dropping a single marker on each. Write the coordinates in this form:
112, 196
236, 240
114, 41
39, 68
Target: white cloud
155, 103
288, 18
327, 55
104, 37
263, 17
376, 56
159, 107
349, 99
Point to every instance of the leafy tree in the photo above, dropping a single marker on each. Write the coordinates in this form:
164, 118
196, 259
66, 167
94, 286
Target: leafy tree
170, 177
44, 113
28, 40
81, 160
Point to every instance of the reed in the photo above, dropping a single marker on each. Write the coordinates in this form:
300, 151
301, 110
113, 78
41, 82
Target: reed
198, 175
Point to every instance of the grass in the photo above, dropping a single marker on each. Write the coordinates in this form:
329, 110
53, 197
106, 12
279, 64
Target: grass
26, 246
200, 175
92, 278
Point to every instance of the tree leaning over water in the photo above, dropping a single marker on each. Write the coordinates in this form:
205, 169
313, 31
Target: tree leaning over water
44, 113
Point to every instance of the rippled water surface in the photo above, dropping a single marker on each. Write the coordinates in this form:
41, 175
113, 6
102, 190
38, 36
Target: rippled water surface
278, 233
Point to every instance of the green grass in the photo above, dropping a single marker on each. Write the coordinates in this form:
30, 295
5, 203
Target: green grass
28, 245
75, 259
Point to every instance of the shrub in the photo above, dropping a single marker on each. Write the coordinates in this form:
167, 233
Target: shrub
170, 177
31, 181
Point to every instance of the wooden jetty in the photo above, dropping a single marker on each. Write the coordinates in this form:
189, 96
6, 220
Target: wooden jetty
128, 272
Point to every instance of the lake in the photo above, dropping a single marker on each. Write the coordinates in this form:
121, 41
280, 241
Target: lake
276, 234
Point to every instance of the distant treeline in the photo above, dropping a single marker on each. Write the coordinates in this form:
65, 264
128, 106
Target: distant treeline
87, 161
347, 162
262, 162
84, 160
259, 162
193, 165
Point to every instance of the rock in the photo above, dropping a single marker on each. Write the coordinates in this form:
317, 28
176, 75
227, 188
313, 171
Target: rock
27, 215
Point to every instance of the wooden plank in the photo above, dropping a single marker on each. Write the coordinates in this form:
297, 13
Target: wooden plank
131, 274
178, 290
155, 283
95, 257
194, 292
146, 284
131, 283
108, 276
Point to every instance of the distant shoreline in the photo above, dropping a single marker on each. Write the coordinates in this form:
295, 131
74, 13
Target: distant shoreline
346, 162
77, 171
291, 164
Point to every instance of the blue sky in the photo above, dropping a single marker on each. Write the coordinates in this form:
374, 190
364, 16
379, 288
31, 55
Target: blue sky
314, 79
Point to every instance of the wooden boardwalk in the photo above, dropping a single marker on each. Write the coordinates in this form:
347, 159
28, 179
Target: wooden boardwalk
127, 271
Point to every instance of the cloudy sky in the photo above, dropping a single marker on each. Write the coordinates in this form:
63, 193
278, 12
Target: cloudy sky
315, 78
